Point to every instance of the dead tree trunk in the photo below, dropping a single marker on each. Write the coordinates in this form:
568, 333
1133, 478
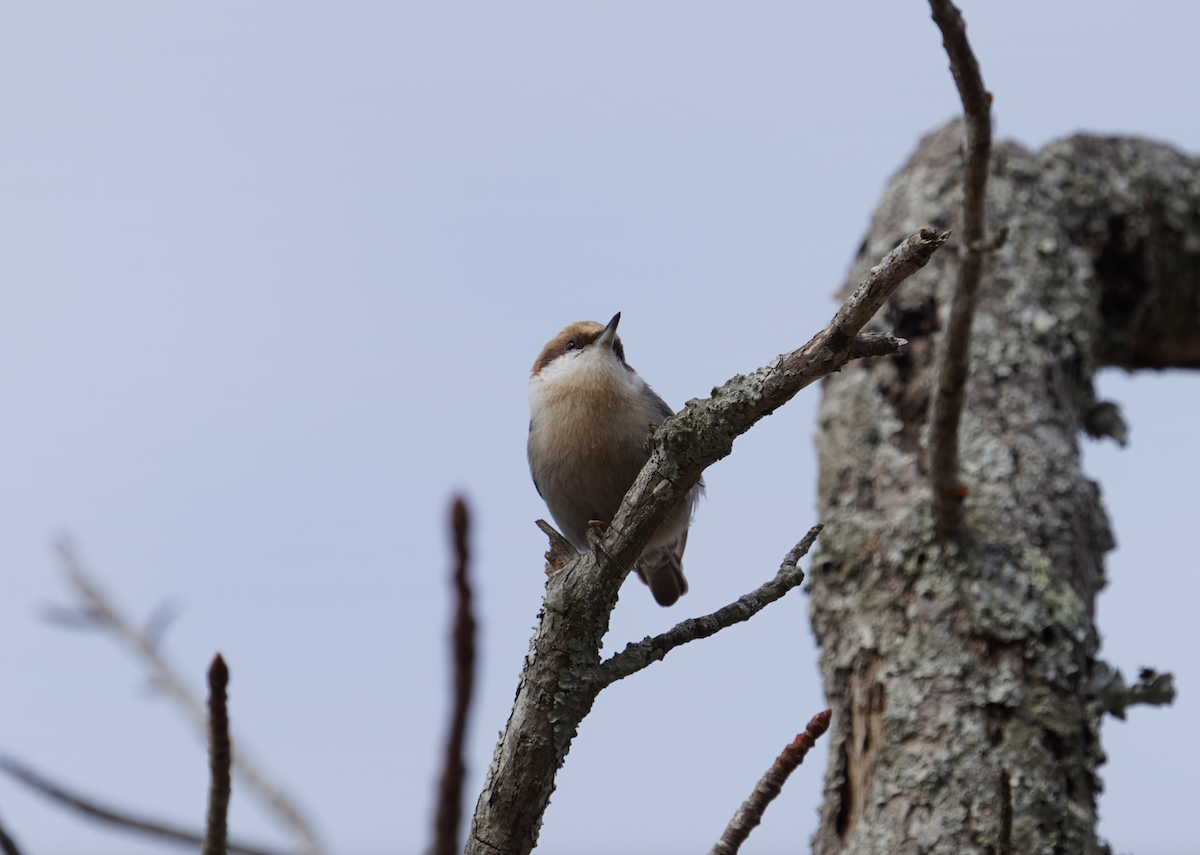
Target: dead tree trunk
956, 669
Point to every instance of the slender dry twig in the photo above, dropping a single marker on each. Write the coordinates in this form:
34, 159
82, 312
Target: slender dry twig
7, 845
637, 656
219, 760
560, 552
557, 688
449, 809
97, 609
955, 355
750, 814
690, 441
113, 816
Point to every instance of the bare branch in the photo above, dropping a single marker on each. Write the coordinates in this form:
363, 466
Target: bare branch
159, 622
7, 845
703, 433
955, 354
1152, 689
112, 816
557, 688
98, 608
637, 656
449, 809
561, 552
750, 814
219, 760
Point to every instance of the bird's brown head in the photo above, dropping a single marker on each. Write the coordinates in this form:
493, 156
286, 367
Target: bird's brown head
578, 336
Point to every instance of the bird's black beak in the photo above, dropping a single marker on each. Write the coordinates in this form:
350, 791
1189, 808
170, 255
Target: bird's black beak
609, 335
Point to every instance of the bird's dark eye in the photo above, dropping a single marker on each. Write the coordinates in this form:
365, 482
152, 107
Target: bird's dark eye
571, 345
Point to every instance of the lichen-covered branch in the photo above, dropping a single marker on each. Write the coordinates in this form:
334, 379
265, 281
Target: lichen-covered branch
704, 431
955, 354
449, 807
97, 611
122, 819
220, 758
1152, 689
750, 814
556, 689
875, 344
646, 652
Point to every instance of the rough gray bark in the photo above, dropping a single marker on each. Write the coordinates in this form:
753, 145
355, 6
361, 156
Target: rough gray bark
956, 669
563, 673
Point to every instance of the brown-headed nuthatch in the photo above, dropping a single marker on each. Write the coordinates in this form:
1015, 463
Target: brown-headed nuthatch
591, 419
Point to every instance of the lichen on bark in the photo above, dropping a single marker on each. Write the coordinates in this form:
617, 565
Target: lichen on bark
951, 666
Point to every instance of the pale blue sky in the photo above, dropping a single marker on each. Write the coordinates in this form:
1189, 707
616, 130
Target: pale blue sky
272, 277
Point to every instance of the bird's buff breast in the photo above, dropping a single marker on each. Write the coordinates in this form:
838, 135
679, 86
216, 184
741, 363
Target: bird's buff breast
587, 442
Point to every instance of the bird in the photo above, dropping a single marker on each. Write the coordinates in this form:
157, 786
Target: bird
591, 417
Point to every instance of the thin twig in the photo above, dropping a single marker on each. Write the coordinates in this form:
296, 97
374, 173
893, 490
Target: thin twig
637, 656
97, 608
113, 816
449, 809
750, 814
955, 355
7, 845
219, 760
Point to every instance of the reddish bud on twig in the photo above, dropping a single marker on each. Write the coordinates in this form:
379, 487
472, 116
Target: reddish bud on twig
750, 813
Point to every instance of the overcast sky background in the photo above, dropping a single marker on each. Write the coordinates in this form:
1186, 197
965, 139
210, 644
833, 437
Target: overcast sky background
272, 277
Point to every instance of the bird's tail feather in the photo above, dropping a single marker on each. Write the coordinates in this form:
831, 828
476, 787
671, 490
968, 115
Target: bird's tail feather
661, 567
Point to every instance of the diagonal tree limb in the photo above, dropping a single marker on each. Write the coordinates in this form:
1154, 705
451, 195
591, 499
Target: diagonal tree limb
750, 814
704, 431
955, 354
99, 611
644, 653
113, 816
449, 808
556, 689
7, 845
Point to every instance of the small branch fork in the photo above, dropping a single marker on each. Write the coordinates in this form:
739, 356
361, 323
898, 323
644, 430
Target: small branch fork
449, 809
563, 672
637, 656
955, 356
96, 611
750, 814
